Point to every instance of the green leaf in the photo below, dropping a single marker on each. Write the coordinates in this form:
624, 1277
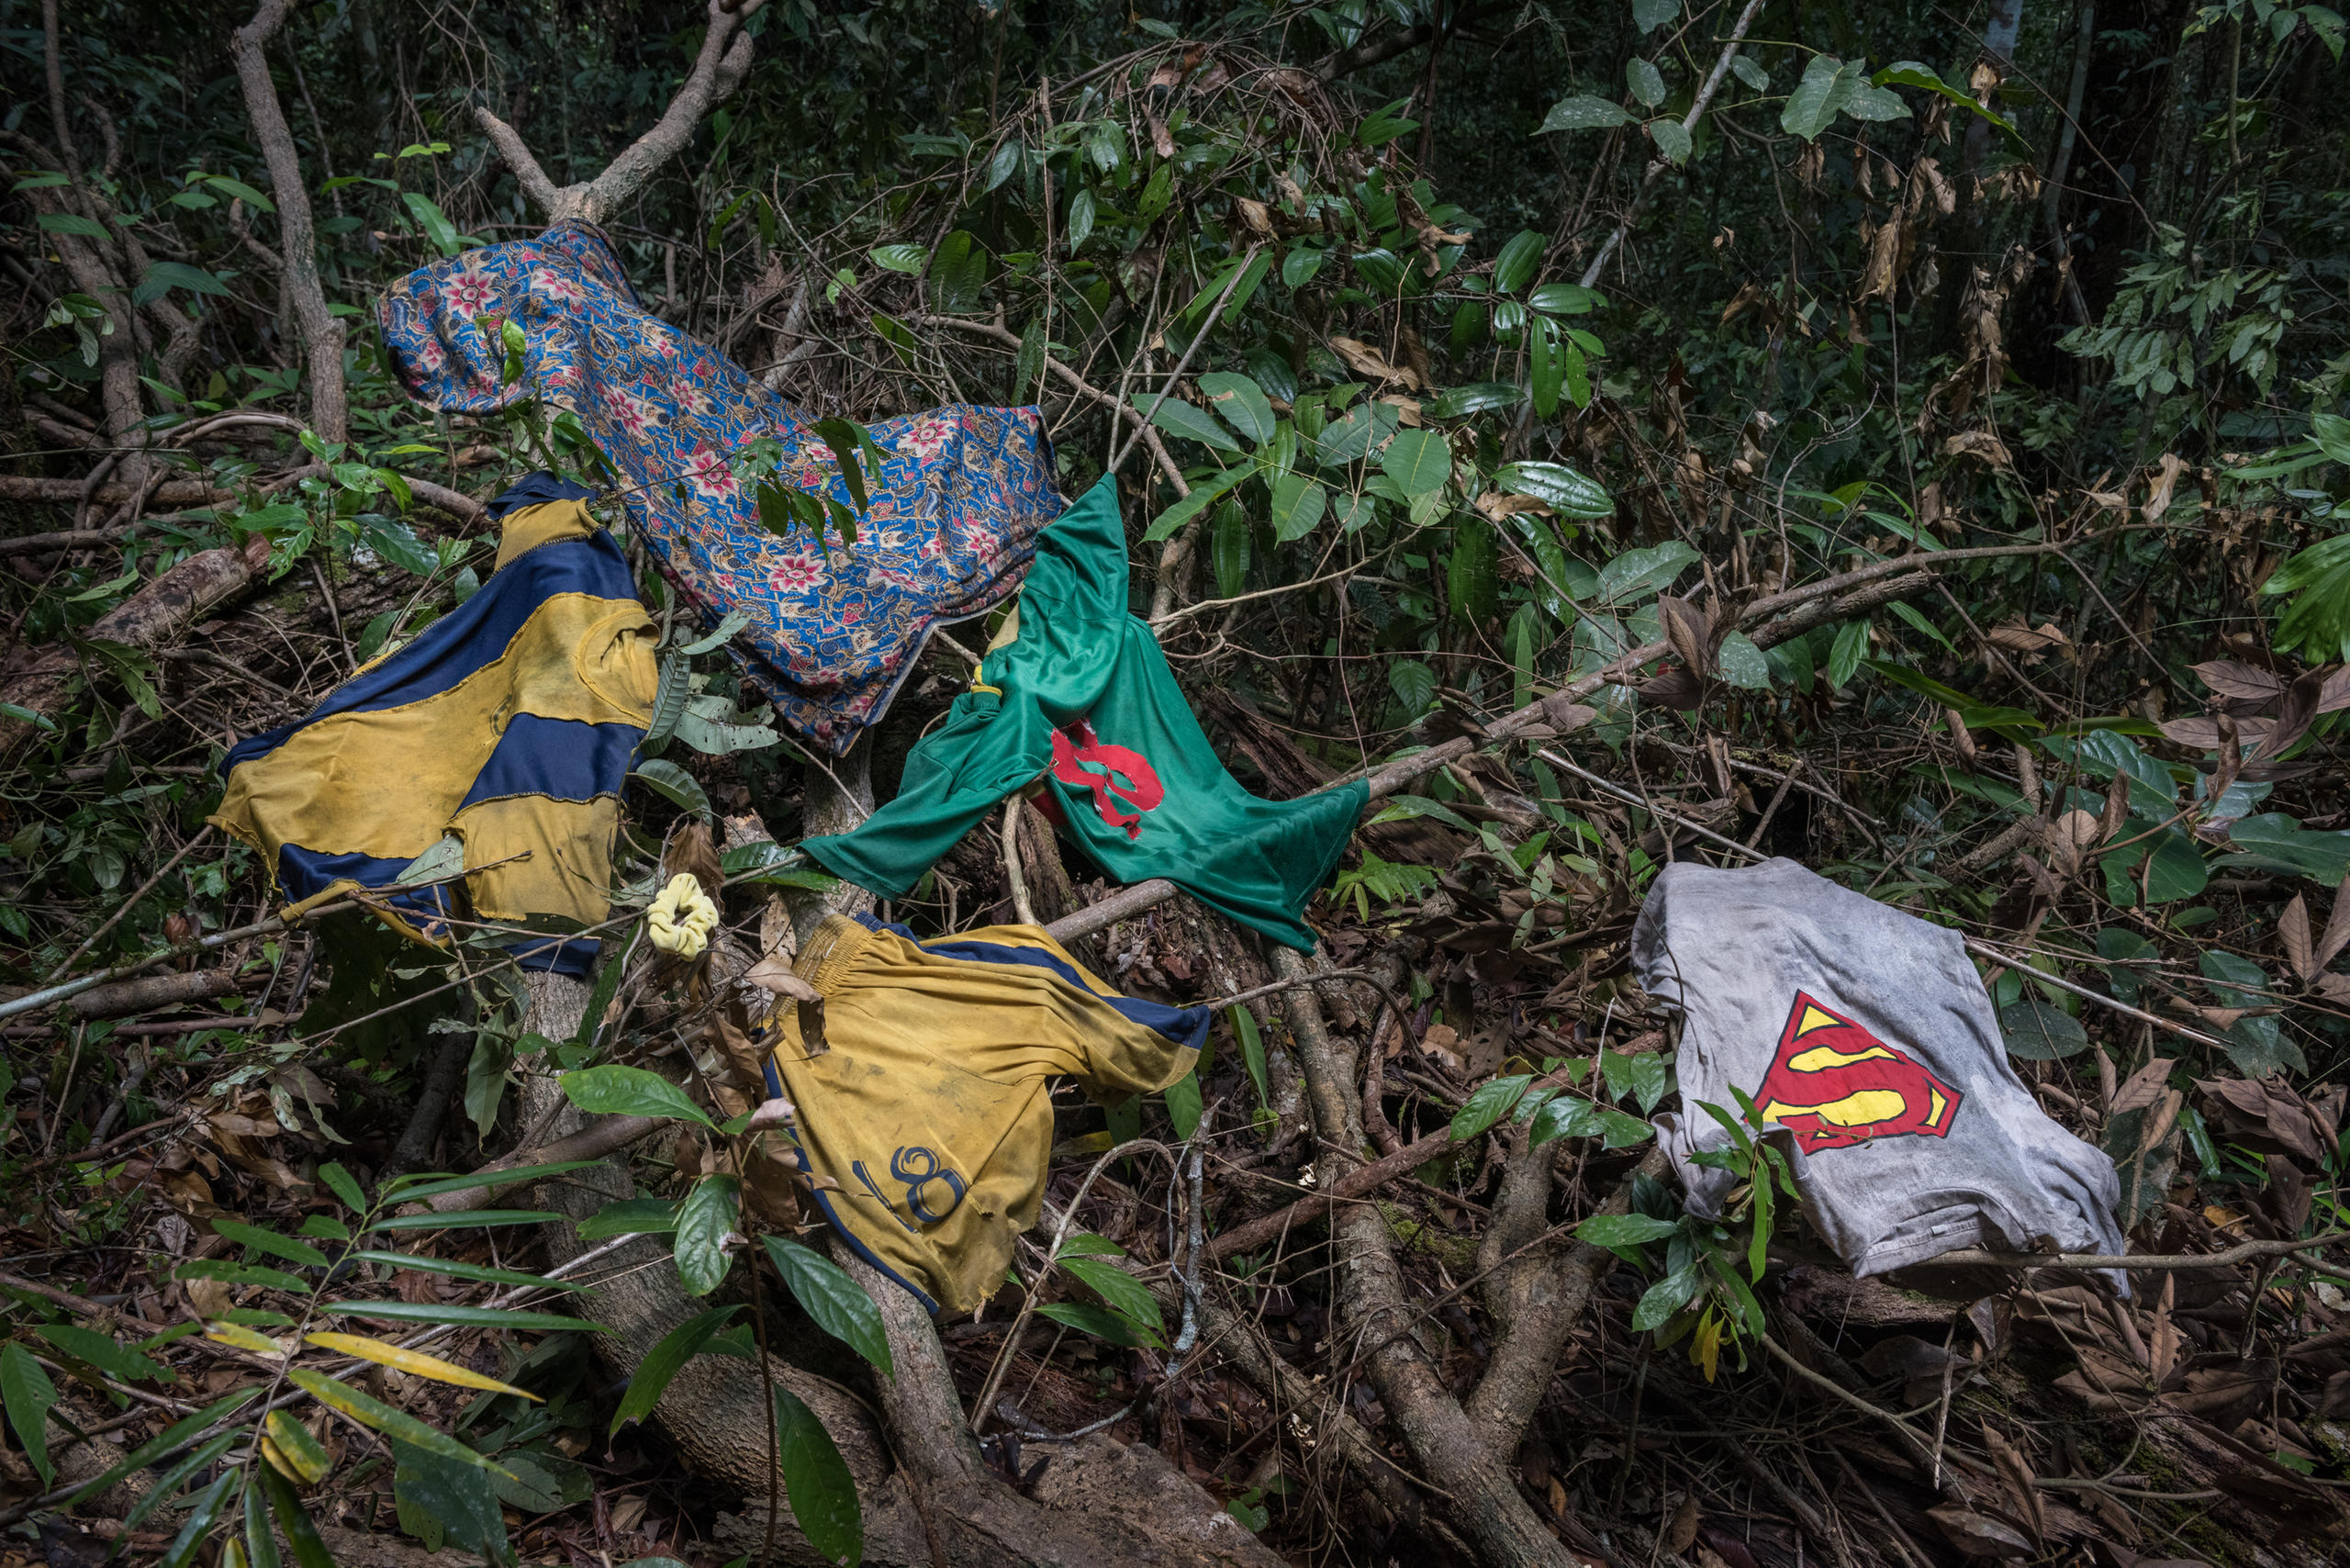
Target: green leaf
1620, 1131
1565, 1116
1560, 487
631, 1217
165, 1443
1178, 418
440, 1498
168, 1488
2039, 1031
2317, 623
1624, 1230
1813, 104
1231, 539
102, 1351
817, 1482
1515, 266
458, 1270
1645, 80
1583, 112
1184, 1105
261, 1542
665, 1361
1489, 1104
1472, 582
1119, 1291
1099, 1322
393, 1423
165, 276
1420, 462
1241, 402
1665, 1297
1673, 140
1298, 506
301, 1531
613, 1091
1744, 665
833, 1299
241, 1274
409, 1189
465, 1219
1650, 15
703, 1221
673, 783
345, 1185
27, 1392
432, 221
276, 1246
733, 622
451, 1315
1183, 510
1252, 1048
1912, 74
241, 191
1413, 684
73, 223
1638, 573
200, 1520
1844, 658
906, 259
1476, 397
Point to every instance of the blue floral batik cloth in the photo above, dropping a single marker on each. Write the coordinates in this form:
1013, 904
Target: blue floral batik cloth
835, 626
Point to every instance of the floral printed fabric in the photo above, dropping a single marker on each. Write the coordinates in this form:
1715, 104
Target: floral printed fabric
833, 626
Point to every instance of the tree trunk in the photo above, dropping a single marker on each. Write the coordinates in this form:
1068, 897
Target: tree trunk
297, 241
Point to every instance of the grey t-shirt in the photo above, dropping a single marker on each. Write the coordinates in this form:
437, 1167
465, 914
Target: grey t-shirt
1870, 1050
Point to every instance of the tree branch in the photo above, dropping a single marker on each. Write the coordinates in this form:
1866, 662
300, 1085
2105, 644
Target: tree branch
322, 332
724, 59
1688, 122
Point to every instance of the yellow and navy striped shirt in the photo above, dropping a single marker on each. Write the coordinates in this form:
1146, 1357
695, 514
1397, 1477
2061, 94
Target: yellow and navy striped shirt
509, 722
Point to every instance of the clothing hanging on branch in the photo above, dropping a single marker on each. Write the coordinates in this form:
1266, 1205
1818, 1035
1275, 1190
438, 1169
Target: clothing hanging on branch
1076, 690
509, 724
834, 625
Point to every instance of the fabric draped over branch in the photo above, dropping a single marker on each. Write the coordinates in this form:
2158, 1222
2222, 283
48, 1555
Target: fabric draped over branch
1075, 696
510, 723
833, 625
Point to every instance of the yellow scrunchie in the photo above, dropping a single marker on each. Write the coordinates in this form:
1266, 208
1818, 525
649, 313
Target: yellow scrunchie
682, 918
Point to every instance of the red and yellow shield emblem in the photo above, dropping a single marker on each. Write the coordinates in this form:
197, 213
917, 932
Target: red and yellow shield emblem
1834, 1084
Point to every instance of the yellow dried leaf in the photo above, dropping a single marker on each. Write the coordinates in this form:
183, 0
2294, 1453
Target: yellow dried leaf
243, 1338
292, 1449
413, 1361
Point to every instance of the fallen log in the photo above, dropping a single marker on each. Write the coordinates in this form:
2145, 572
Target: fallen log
68, 492
154, 617
131, 997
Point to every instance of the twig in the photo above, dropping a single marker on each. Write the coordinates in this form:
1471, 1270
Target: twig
1013, 875
126, 905
2014, 960
2249, 1252
1207, 325
1657, 166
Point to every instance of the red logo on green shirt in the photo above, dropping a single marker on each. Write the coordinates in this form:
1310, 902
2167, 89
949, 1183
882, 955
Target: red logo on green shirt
1116, 775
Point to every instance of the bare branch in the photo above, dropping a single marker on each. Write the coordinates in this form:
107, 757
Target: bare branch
724, 59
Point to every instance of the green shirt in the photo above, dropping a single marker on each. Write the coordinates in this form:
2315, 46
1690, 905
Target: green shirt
1081, 695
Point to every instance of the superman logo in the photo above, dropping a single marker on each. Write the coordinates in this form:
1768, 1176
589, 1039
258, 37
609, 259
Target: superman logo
1117, 777
1834, 1084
